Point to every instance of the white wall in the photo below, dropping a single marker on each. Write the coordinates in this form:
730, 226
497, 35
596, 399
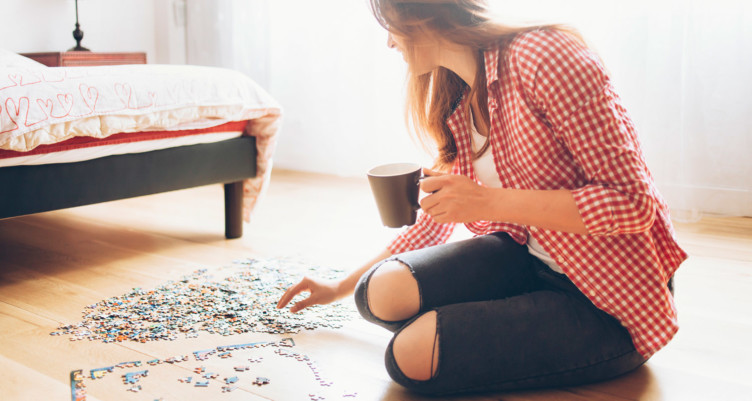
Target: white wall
341, 87
108, 25
327, 64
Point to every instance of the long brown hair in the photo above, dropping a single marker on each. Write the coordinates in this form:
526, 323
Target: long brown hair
431, 97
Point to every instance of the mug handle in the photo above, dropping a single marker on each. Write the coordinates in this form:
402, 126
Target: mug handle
416, 206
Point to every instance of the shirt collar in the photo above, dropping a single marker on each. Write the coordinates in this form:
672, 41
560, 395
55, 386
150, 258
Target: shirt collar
491, 64
491, 60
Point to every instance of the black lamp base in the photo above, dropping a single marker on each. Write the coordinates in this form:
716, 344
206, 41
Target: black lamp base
78, 34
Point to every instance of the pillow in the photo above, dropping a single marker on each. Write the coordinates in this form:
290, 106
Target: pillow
13, 60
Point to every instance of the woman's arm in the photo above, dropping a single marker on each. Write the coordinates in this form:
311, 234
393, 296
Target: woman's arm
324, 291
569, 88
457, 199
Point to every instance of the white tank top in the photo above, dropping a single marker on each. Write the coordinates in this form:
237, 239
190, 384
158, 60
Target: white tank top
485, 171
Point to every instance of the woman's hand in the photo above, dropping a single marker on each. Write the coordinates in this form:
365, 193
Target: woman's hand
453, 198
324, 291
321, 292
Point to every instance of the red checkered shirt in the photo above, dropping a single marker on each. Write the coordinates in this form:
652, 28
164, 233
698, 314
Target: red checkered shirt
557, 122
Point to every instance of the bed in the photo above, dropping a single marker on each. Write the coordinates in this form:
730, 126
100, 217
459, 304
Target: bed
73, 136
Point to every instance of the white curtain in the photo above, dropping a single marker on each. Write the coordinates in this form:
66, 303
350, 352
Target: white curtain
229, 33
682, 68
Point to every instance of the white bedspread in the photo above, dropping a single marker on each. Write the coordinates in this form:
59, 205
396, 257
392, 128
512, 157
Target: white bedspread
43, 105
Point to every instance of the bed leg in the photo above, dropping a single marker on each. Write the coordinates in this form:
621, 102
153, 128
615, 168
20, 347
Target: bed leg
234, 210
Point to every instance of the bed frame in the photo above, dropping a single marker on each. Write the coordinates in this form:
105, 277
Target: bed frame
41, 188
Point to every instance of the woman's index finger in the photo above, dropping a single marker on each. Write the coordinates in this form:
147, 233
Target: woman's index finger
292, 292
431, 184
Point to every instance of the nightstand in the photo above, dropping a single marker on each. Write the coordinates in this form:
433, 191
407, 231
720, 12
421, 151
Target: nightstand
74, 59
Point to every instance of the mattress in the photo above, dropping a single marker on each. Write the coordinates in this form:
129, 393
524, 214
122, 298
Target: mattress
87, 148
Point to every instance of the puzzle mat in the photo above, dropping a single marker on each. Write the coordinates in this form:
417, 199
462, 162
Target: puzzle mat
235, 302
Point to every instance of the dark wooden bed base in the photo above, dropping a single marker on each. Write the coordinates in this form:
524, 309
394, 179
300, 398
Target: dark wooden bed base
34, 189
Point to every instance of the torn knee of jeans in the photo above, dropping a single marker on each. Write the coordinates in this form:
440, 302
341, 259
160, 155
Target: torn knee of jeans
415, 349
392, 295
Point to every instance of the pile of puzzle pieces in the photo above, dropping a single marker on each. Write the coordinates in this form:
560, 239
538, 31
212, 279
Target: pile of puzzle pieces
243, 300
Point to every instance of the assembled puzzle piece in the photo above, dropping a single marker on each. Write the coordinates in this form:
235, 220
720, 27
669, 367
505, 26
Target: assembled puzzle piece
204, 354
78, 388
100, 372
135, 389
128, 364
133, 377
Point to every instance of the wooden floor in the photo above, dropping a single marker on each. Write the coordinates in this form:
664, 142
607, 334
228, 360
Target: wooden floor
54, 264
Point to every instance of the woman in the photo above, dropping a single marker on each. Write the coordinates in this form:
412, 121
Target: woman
567, 279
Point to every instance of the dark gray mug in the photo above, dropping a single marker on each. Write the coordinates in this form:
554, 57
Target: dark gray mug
395, 187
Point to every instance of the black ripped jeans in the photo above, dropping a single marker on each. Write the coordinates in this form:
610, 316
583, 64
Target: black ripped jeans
505, 321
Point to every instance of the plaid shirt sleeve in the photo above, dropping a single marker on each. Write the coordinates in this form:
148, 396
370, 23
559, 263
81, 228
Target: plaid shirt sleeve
567, 84
424, 233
